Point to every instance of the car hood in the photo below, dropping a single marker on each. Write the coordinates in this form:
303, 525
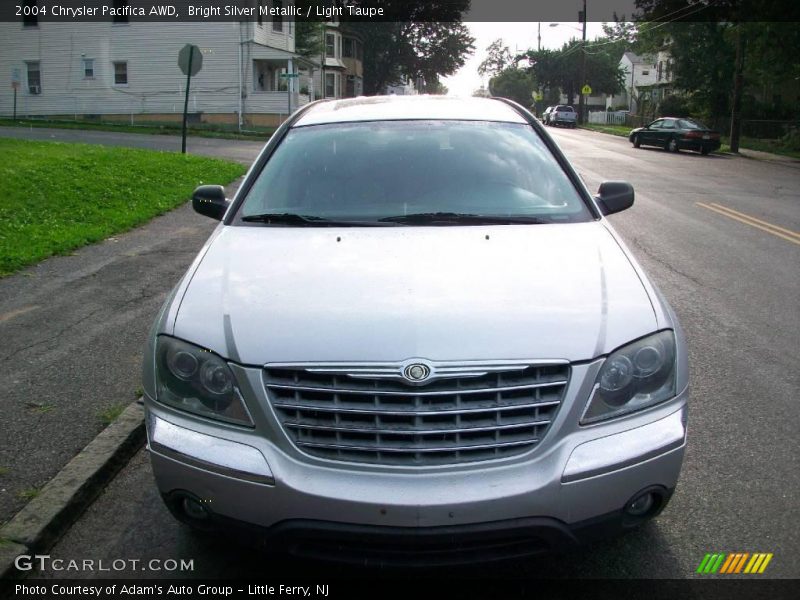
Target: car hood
285, 294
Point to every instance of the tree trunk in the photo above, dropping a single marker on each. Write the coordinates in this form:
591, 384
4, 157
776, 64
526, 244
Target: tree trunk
738, 84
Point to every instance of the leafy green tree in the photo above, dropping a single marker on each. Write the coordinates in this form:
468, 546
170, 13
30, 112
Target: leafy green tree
498, 58
309, 38
428, 40
560, 69
515, 84
704, 52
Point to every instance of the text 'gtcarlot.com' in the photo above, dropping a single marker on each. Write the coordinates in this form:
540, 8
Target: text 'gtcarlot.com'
43, 562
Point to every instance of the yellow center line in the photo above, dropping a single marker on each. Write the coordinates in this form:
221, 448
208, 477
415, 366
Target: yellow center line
751, 223
752, 218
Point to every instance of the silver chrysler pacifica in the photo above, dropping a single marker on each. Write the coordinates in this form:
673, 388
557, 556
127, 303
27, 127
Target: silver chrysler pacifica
414, 335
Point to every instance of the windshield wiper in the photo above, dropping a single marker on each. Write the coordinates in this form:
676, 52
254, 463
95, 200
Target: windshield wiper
451, 218
306, 221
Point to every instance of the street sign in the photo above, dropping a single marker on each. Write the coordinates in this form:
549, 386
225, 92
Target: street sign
190, 60
537, 96
16, 76
190, 55
586, 90
287, 75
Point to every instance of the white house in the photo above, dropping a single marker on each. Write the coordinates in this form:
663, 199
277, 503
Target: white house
645, 77
128, 70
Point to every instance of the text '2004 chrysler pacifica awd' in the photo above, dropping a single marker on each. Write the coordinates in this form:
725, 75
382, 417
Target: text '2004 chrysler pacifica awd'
414, 322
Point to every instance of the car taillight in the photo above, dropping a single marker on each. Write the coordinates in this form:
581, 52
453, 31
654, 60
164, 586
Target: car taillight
693, 135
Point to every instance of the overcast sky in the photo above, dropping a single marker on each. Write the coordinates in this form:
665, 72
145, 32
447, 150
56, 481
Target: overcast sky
518, 37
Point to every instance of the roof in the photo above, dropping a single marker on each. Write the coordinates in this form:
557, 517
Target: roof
395, 108
638, 60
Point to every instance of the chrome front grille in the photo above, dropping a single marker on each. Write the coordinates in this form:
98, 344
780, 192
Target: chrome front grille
367, 413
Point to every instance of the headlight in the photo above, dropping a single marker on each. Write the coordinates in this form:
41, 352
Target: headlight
634, 377
198, 381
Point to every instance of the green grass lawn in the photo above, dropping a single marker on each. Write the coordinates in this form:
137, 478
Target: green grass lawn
621, 130
59, 197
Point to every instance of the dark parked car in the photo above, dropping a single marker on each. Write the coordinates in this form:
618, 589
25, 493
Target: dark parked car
674, 134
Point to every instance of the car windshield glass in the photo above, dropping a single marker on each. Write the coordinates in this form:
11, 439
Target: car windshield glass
369, 171
690, 124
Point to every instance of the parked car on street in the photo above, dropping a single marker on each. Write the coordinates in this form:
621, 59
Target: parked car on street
546, 115
415, 337
675, 134
563, 115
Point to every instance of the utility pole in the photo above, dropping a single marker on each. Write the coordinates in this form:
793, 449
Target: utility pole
539, 37
583, 66
736, 108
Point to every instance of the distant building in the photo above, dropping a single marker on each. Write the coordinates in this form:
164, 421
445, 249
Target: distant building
342, 73
648, 79
127, 70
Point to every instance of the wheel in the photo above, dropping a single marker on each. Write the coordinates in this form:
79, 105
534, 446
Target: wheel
672, 145
636, 142
705, 151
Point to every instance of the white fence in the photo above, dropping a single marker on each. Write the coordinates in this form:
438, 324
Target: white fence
603, 117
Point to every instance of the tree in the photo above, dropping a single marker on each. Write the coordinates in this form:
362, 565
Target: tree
498, 58
428, 40
515, 84
309, 38
561, 68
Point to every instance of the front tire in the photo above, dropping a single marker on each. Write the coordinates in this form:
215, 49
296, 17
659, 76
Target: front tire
705, 151
636, 142
672, 145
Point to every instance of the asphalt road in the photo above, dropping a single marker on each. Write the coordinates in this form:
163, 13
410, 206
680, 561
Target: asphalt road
733, 282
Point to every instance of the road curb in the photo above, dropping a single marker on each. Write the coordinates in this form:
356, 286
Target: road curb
48, 516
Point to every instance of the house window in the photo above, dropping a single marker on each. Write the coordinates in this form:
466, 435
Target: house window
350, 86
349, 48
277, 19
330, 85
645, 72
120, 73
30, 14
88, 68
330, 45
34, 78
120, 18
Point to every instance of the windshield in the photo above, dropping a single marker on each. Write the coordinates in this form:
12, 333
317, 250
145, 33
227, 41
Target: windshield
371, 171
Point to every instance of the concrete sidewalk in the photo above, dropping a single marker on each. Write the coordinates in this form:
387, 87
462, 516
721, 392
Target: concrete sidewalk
769, 157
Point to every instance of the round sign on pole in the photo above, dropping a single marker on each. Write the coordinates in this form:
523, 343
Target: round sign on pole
190, 50
586, 90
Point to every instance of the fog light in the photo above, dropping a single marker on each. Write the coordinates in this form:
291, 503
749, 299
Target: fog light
640, 505
193, 509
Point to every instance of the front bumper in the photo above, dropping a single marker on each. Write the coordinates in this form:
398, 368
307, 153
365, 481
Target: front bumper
576, 475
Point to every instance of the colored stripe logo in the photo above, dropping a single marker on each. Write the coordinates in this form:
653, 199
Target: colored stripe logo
734, 563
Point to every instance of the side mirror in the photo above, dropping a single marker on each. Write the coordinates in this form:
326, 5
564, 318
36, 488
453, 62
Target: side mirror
210, 201
614, 196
